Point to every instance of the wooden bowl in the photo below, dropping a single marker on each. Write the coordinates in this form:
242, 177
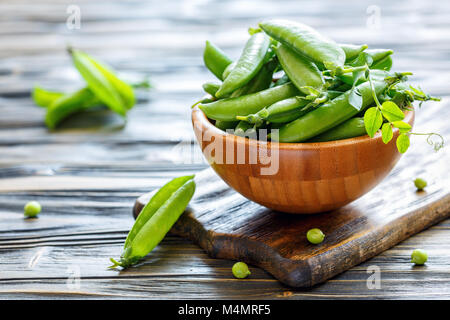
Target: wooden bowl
311, 177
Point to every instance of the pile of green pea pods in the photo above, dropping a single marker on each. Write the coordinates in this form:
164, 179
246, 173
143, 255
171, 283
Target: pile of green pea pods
292, 78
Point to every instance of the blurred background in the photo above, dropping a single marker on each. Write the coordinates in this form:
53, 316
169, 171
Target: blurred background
88, 173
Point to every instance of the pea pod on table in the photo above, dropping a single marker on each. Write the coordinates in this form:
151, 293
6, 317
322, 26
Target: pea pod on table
156, 219
328, 115
44, 98
113, 92
301, 71
306, 41
248, 65
69, 104
227, 109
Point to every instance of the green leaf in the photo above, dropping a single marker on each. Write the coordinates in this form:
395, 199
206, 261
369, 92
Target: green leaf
372, 121
391, 111
403, 142
402, 126
386, 132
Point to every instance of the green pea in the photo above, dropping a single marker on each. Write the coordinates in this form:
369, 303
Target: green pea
240, 270
248, 65
301, 71
315, 236
32, 209
215, 60
245, 129
420, 184
419, 257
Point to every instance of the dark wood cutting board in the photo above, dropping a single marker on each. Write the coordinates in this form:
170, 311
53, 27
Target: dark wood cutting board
227, 225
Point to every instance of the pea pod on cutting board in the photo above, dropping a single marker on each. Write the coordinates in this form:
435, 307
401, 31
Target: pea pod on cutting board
301, 71
327, 115
156, 219
215, 59
306, 41
227, 109
248, 65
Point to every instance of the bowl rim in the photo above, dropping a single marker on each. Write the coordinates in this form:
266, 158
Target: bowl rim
199, 116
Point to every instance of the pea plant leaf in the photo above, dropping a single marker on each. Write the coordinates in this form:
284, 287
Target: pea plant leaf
386, 132
402, 126
372, 121
391, 111
402, 142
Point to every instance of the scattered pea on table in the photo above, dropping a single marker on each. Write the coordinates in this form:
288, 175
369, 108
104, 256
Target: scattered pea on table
419, 257
240, 270
32, 209
420, 184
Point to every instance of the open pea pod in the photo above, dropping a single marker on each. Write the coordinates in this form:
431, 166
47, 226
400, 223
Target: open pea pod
156, 219
113, 92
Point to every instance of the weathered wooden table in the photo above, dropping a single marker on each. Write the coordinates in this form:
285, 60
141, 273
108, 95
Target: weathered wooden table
87, 179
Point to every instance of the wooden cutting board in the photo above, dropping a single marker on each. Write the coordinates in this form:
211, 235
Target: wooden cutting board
227, 225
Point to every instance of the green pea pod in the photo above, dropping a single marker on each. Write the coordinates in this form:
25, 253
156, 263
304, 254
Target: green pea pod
351, 128
328, 115
248, 65
228, 69
306, 41
352, 51
377, 74
245, 129
227, 109
158, 217
378, 54
154, 204
383, 64
113, 92
261, 81
69, 104
224, 125
301, 71
280, 112
45, 98
211, 88
215, 60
